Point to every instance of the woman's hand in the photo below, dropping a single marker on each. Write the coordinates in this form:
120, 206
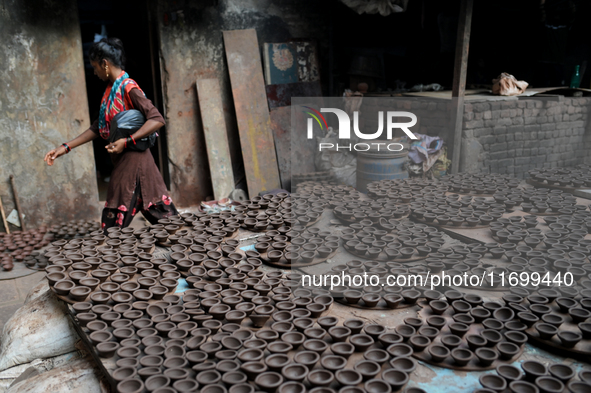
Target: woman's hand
116, 147
53, 154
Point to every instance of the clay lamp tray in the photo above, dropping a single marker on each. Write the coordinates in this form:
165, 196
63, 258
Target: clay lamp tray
436, 224
73, 299
474, 329
354, 220
381, 305
383, 257
581, 350
545, 184
283, 263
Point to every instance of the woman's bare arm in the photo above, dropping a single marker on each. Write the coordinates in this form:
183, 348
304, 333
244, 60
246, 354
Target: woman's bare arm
81, 139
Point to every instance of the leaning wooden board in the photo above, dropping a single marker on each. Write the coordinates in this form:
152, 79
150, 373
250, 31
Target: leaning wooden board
281, 127
252, 111
216, 138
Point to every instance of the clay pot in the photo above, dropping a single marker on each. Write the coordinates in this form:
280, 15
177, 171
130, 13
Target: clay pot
476, 341
320, 378
269, 381
569, 338
130, 385
523, 387
549, 384
395, 378
355, 325
461, 356
545, 330
348, 377
508, 372
123, 373
277, 361
533, 369
399, 350
376, 355
507, 350
404, 364
493, 382
438, 353
486, 356
294, 372
333, 362
562, 372
107, 349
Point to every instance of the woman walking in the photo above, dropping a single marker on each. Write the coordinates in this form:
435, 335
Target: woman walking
136, 184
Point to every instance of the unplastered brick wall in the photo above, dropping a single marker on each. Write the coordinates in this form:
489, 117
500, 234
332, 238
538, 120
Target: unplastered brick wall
515, 136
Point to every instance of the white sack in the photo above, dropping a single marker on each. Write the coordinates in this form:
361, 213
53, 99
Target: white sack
38, 330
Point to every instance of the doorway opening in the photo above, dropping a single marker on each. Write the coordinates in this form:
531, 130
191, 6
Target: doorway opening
131, 22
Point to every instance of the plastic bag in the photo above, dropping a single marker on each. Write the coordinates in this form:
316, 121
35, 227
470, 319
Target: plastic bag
125, 124
507, 85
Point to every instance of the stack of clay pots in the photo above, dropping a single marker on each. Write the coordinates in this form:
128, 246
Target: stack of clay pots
577, 177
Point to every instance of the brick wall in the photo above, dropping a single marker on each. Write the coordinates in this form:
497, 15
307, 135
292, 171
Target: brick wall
515, 136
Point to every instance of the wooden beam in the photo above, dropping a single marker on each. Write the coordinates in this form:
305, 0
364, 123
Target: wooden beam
216, 137
252, 111
459, 82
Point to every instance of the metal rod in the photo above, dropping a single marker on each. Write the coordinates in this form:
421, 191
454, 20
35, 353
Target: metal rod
4, 217
17, 203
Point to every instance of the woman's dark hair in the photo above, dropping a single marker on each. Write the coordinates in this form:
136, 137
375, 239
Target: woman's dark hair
108, 48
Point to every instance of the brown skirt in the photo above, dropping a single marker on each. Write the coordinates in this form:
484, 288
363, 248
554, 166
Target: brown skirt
133, 170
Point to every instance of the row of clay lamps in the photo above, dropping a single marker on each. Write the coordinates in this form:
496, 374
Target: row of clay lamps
17, 246
534, 376
381, 295
226, 356
501, 338
306, 207
73, 229
479, 183
566, 177
372, 209
459, 259
260, 213
457, 210
406, 240
404, 190
298, 247
108, 276
552, 314
539, 200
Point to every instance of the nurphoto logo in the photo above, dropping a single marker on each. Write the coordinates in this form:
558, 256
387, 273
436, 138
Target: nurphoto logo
391, 120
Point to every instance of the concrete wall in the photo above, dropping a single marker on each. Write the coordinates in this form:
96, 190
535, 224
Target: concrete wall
515, 136
192, 47
43, 104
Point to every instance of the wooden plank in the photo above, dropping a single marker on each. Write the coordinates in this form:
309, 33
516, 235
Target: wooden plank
252, 112
459, 82
281, 127
216, 137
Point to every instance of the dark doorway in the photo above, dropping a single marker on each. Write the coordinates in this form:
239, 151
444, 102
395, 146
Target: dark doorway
129, 21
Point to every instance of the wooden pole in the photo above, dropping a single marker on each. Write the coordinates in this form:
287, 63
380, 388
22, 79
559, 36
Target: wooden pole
4, 217
17, 203
459, 82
